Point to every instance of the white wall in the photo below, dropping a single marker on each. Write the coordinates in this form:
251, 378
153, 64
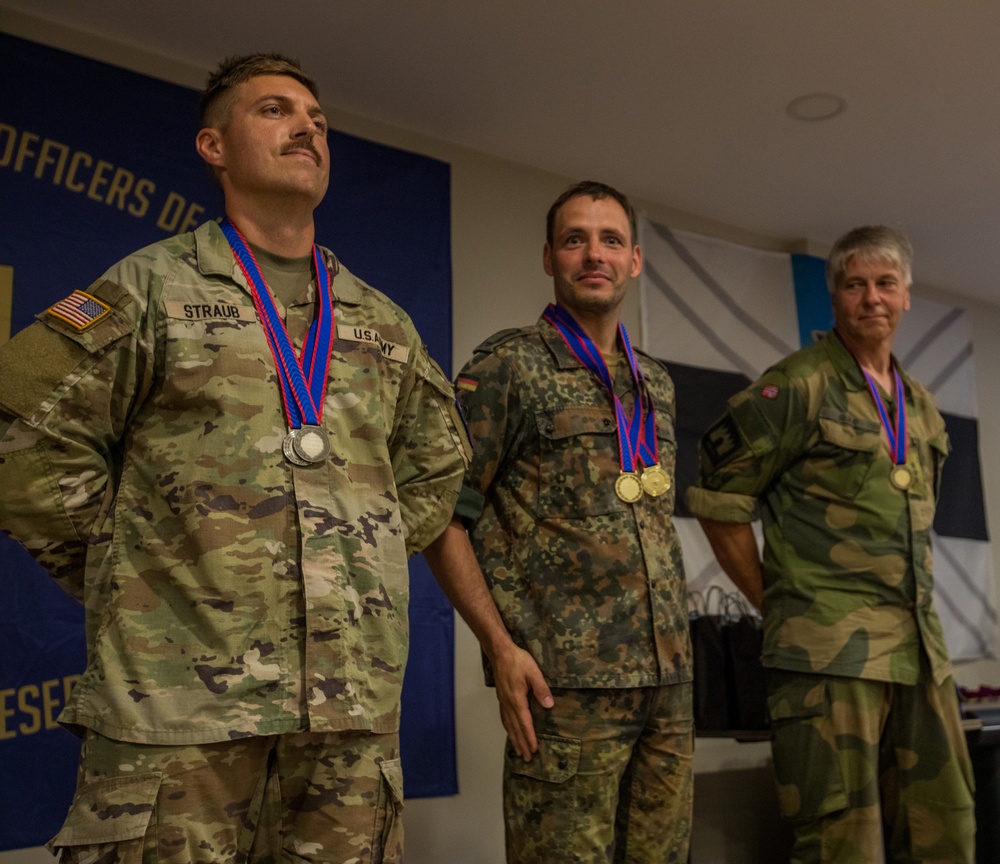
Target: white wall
498, 212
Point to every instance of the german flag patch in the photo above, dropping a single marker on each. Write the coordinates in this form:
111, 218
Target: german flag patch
466, 382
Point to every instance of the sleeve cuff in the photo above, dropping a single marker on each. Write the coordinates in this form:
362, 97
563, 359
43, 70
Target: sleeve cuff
721, 506
469, 506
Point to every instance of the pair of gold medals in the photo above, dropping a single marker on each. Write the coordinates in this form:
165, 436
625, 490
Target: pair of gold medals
630, 486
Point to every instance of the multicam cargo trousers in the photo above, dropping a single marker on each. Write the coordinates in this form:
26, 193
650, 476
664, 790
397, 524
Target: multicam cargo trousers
323, 799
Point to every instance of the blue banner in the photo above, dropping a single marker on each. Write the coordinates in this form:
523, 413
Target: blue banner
96, 162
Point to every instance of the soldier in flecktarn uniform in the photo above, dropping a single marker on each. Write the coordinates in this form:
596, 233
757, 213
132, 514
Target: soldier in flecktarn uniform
235, 512
573, 580
840, 452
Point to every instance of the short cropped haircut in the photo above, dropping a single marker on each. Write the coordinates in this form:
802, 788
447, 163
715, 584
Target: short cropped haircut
597, 191
216, 98
870, 243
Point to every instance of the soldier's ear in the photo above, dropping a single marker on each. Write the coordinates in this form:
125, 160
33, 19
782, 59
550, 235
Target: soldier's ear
208, 143
547, 260
636, 262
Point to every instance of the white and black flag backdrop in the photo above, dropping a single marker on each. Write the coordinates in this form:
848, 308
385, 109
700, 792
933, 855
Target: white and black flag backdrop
719, 314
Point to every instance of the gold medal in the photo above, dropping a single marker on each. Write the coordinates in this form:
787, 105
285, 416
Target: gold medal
655, 481
628, 487
900, 477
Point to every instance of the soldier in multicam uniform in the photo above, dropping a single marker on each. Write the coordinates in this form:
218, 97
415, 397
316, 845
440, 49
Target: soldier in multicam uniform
568, 503
841, 453
243, 566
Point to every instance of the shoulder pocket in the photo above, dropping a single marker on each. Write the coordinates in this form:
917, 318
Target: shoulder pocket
50, 351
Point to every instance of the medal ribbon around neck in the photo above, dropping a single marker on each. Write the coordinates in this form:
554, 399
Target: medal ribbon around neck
898, 439
636, 434
302, 380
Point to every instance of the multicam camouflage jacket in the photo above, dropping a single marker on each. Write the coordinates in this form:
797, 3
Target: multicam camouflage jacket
591, 586
847, 555
228, 592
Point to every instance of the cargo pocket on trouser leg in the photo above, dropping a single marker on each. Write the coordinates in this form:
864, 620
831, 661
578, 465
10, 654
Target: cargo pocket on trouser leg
543, 819
827, 772
806, 766
108, 821
387, 840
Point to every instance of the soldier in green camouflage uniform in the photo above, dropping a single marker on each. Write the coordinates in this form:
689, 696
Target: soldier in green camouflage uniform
246, 615
861, 698
583, 591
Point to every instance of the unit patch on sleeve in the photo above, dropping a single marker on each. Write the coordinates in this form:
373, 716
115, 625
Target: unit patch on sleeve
80, 310
722, 442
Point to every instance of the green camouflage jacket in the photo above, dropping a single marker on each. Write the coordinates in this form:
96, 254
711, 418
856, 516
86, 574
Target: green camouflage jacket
591, 586
847, 556
227, 592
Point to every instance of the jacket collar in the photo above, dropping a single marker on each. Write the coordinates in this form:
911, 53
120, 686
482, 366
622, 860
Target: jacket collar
215, 258
848, 369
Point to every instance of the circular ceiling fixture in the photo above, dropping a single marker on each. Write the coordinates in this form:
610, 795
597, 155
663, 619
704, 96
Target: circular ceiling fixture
816, 106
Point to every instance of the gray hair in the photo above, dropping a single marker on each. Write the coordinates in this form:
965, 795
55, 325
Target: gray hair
871, 243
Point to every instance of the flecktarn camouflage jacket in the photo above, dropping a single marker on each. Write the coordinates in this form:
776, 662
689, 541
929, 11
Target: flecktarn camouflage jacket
591, 585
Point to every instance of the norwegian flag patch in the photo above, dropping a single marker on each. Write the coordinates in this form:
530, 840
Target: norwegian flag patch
770, 391
80, 310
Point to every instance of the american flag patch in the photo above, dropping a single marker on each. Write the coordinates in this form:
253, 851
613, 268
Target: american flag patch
80, 309
770, 391
463, 382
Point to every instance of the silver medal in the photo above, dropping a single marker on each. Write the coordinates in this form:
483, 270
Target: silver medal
307, 445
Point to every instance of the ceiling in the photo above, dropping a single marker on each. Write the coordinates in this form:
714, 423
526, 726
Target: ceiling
677, 102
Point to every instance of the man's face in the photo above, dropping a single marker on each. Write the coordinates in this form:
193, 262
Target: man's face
869, 300
274, 141
592, 256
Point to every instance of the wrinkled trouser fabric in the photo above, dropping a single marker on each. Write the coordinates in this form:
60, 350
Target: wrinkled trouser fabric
611, 781
322, 799
850, 754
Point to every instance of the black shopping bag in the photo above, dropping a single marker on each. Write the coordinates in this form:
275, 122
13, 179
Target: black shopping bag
726, 640
709, 652
743, 637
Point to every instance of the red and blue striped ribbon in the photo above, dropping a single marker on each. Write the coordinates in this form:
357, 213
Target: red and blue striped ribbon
898, 443
639, 429
302, 380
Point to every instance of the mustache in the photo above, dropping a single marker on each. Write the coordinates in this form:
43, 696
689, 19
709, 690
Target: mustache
303, 145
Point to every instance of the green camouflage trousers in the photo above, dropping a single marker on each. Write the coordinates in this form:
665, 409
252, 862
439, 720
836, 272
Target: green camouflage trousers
852, 754
611, 781
323, 799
